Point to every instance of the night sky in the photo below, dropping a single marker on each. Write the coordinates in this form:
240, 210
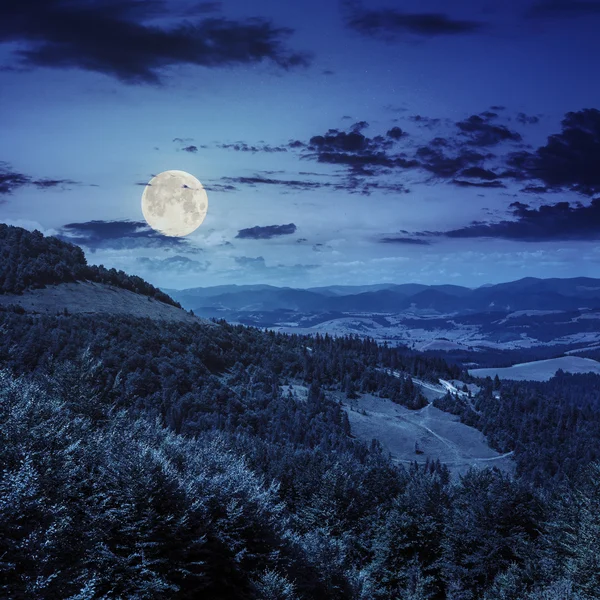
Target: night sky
339, 142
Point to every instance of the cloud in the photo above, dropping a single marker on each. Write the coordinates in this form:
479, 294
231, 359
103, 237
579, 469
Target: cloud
266, 232
219, 187
359, 126
479, 173
293, 184
570, 159
404, 240
246, 261
259, 265
123, 40
479, 184
396, 133
559, 9
428, 122
391, 23
357, 151
11, 180
244, 147
351, 184
527, 119
177, 264
556, 222
187, 145
442, 165
480, 132
97, 235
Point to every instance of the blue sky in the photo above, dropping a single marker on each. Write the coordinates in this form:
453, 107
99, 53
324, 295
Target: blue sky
340, 142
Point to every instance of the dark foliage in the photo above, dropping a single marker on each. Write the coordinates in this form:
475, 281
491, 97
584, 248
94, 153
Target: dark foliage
553, 427
30, 260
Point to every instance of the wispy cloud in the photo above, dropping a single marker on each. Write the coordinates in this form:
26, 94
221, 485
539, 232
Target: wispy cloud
11, 181
121, 40
393, 24
118, 235
266, 232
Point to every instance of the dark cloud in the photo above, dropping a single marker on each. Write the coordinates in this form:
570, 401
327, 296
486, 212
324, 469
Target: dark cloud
479, 184
391, 23
11, 180
425, 121
97, 235
569, 160
488, 114
535, 189
356, 151
366, 185
244, 147
552, 223
266, 232
359, 126
527, 119
45, 184
292, 184
117, 39
396, 133
351, 184
404, 240
191, 149
444, 166
479, 173
480, 132
559, 9
219, 187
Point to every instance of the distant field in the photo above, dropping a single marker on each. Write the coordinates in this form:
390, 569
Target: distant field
436, 433
541, 370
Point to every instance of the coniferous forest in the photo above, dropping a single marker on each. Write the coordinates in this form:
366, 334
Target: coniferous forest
146, 459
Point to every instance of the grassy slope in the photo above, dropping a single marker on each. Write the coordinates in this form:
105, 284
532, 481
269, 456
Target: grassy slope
541, 370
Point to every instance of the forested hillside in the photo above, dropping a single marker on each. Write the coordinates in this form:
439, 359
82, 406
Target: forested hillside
30, 260
146, 460
552, 426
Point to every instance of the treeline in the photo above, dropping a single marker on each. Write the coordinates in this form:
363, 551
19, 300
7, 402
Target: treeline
29, 260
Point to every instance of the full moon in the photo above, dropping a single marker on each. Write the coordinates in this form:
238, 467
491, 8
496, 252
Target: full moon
174, 203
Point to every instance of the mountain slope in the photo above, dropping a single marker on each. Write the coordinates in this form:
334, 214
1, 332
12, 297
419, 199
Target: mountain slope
91, 298
46, 275
29, 260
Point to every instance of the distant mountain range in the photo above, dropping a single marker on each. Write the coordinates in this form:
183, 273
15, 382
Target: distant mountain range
520, 315
525, 294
